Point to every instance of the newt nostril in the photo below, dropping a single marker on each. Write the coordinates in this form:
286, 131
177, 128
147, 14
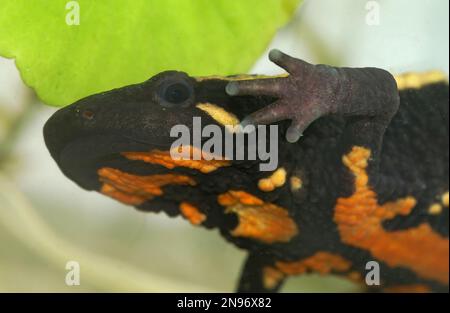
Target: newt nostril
88, 114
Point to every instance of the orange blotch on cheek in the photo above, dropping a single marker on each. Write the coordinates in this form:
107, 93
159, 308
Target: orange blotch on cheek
134, 189
192, 213
259, 220
207, 163
359, 219
122, 196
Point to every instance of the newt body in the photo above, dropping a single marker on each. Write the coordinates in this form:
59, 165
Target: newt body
368, 179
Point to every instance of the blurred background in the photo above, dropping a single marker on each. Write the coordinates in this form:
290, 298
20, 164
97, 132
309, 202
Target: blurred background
46, 220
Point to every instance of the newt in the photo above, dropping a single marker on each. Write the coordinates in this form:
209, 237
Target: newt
362, 171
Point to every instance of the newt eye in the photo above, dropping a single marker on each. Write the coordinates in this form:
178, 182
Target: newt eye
175, 94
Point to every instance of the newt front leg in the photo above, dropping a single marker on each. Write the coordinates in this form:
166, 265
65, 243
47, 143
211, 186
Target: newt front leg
311, 91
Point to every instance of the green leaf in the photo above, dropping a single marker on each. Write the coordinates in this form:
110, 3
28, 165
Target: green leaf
121, 42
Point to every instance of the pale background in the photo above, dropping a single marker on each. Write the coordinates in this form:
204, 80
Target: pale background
46, 220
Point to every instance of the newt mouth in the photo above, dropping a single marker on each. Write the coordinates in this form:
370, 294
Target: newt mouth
79, 151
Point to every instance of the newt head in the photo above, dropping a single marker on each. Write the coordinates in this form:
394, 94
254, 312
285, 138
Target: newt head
123, 136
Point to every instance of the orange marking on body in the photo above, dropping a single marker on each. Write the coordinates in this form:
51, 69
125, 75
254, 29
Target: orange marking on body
271, 277
417, 288
359, 219
192, 213
237, 196
133, 189
321, 262
206, 164
259, 220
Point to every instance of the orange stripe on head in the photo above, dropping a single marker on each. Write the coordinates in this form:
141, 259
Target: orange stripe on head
134, 189
359, 219
206, 164
259, 220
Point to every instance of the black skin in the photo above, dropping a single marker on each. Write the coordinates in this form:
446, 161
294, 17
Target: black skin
332, 108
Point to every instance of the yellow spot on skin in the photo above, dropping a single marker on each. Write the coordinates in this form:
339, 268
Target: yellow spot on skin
435, 209
418, 288
271, 277
418, 80
359, 219
220, 115
192, 213
259, 220
134, 189
239, 77
277, 179
165, 159
296, 183
445, 199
